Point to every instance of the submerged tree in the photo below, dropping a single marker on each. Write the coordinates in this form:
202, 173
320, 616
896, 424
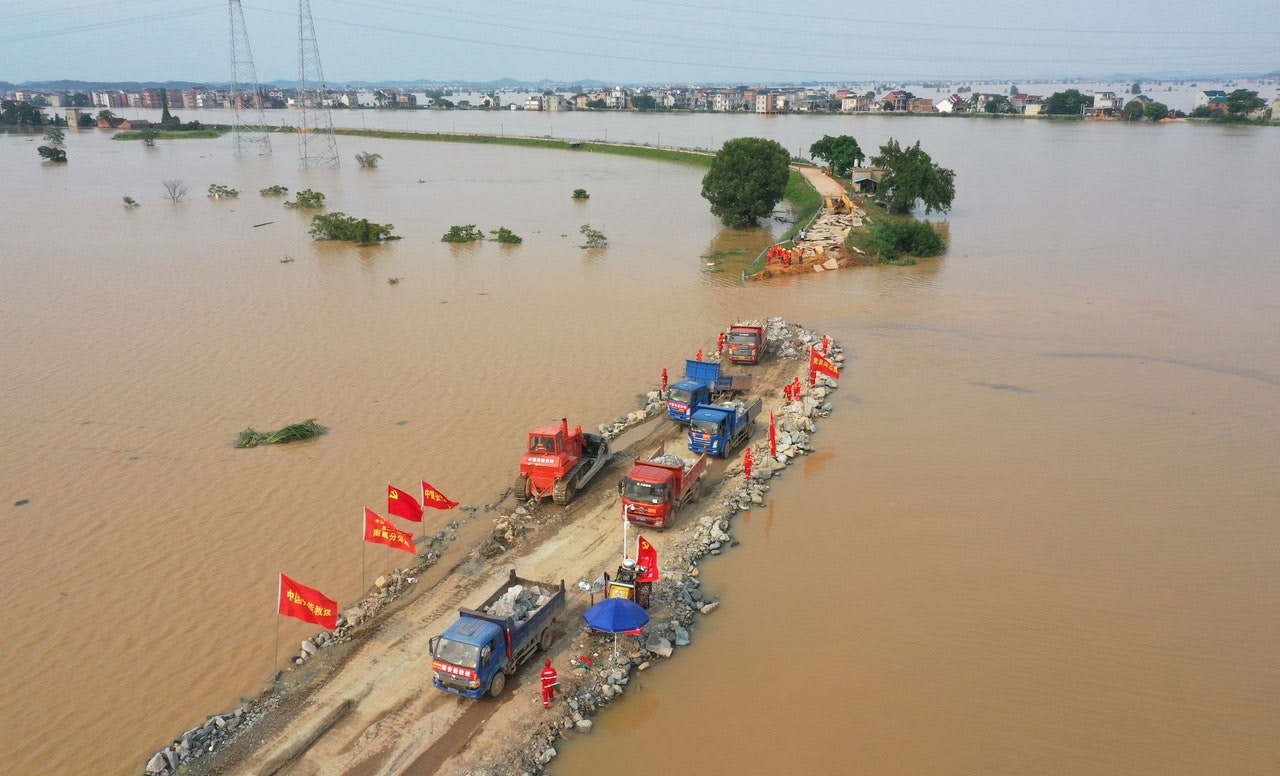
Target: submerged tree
54, 151
366, 159
340, 226
175, 189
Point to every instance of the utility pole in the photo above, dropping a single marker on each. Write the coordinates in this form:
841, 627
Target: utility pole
247, 135
316, 147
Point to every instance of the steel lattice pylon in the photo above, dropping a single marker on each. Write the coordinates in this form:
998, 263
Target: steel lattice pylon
316, 147
248, 125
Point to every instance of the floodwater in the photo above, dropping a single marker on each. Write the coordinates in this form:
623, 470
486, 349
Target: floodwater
1040, 535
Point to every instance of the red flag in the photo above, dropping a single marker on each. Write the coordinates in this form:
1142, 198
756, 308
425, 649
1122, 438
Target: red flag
773, 436
434, 498
379, 531
307, 604
647, 559
822, 365
401, 504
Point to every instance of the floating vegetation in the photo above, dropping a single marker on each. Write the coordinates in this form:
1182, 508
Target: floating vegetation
581, 194
394, 281
295, 432
274, 191
130, 201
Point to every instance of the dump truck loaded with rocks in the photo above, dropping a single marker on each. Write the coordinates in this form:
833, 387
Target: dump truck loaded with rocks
485, 645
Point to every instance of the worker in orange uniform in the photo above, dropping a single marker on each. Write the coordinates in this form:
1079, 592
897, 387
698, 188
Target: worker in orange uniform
747, 462
550, 683
664, 379
720, 343
699, 355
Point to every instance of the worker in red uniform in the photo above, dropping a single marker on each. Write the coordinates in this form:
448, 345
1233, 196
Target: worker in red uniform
720, 343
550, 683
699, 354
664, 379
747, 462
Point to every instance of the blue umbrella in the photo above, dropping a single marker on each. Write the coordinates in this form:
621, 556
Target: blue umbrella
616, 615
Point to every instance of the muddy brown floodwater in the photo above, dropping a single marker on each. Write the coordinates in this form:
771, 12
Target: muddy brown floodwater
1039, 536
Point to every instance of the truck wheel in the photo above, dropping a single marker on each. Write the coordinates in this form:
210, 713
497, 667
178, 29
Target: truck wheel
545, 641
497, 685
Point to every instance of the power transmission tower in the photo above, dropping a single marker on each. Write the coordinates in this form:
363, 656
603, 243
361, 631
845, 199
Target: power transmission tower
250, 135
315, 143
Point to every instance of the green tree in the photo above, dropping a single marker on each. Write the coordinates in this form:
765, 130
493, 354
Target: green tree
1242, 102
53, 151
840, 153
891, 239
21, 114
1156, 111
748, 177
1133, 110
599, 104
462, 234
594, 237
998, 104
106, 115
149, 135
1136, 88
1068, 103
911, 176
644, 102
1013, 90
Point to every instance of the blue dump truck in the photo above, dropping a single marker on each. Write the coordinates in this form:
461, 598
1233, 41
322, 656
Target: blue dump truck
720, 429
703, 383
477, 653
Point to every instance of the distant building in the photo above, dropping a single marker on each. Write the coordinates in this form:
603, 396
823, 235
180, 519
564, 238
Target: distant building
1105, 105
953, 104
1205, 97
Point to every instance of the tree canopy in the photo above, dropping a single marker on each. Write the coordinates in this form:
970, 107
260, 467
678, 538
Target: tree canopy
840, 153
911, 176
748, 177
1242, 102
998, 104
54, 151
1068, 103
16, 113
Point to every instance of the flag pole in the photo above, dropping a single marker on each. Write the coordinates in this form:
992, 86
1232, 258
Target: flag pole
275, 657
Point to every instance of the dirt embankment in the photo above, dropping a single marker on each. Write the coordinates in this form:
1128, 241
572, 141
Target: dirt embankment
365, 704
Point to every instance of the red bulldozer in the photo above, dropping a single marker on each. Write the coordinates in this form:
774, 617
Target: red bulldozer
558, 462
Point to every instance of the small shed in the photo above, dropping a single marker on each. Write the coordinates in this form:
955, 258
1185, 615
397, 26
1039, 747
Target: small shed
864, 184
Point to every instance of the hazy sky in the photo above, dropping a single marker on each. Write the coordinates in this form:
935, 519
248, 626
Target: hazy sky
730, 41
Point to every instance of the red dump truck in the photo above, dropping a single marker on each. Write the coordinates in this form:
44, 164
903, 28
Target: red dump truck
745, 343
655, 488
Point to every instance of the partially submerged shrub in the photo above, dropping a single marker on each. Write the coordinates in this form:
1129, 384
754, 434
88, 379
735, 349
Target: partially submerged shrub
340, 226
274, 191
890, 240
307, 200
504, 235
594, 237
366, 159
218, 191
130, 201
581, 194
462, 234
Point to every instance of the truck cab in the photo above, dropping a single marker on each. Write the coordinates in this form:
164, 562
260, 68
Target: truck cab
466, 657
745, 343
646, 494
708, 432
683, 396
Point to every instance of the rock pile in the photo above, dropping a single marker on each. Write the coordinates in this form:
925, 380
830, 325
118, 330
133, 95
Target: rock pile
519, 602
